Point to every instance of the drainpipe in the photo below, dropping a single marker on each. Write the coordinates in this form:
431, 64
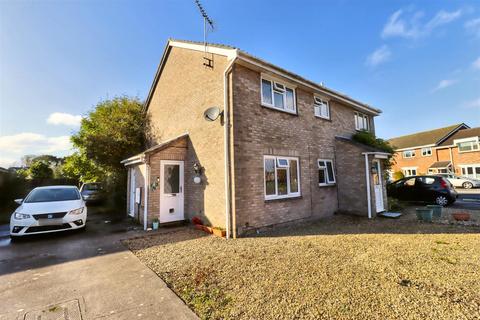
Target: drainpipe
367, 178
226, 116
147, 183
451, 159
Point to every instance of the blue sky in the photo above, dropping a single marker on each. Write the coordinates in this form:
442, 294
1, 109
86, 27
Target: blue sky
419, 61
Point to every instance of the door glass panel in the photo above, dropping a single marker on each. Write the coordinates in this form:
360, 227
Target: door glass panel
171, 182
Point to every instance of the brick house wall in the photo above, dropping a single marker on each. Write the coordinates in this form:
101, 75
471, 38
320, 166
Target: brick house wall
184, 91
260, 131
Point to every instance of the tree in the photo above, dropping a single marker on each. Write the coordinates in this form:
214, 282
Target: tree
78, 166
40, 170
113, 131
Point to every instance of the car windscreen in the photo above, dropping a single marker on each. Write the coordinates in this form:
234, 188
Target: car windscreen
48, 195
92, 187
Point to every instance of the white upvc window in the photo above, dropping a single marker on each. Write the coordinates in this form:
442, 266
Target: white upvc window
467, 144
278, 96
361, 121
471, 171
426, 152
282, 177
321, 107
326, 172
409, 171
409, 154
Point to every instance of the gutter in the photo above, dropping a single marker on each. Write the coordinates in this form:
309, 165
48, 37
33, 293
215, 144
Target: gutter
226, 116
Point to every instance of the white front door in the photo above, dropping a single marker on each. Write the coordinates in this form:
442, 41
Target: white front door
378, 187
131, 211
171, 191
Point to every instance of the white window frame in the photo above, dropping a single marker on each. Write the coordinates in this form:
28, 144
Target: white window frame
473, 141
411, 152
464, 168
408, 171
330, 181
321, 107
289, 193
279, 87
427, 152
365, 121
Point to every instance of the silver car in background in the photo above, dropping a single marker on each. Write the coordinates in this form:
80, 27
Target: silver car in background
460, 181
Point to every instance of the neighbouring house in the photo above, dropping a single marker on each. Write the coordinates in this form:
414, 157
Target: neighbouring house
245, 144
453, 149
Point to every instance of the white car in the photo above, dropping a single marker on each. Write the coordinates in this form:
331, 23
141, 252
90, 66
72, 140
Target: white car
49, 209
461, 182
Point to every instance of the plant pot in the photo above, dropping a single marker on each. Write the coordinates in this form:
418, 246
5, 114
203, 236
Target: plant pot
426, 214
155, 225
461, 216
437, 210
198, 227
219, 232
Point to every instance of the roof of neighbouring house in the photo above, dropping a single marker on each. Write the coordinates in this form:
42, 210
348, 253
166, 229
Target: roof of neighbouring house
426, 138
461, 134
236, 52
440, 164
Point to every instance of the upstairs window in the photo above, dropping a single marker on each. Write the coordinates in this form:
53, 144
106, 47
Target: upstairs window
321, 108
278, 96
326, 174
361, 121
409, 154
282, 178
426, 152
468, 145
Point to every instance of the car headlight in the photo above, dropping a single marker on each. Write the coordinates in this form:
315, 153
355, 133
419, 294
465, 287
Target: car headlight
20, 216
77, 211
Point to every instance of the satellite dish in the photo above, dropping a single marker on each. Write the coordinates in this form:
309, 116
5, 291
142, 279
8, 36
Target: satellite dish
211, 114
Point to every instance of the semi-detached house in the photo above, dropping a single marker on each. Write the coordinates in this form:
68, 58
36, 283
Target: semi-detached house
452, 149
272, 148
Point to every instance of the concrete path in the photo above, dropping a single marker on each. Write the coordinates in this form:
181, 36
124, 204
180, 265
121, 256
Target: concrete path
83, 275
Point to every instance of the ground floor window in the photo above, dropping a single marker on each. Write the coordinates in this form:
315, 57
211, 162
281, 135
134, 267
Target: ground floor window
282, 177
326, 174
407, 172
471, 171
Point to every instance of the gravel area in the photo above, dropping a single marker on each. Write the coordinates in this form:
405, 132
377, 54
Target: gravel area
337, 268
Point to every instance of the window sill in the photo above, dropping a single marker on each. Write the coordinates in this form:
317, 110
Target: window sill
284, 198
327, 184
278, 109
468, 151
323, 118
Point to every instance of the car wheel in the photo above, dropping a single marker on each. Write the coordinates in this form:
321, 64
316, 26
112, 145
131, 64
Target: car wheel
441, 201
467, 185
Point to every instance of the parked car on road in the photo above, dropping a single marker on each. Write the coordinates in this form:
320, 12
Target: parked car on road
429, 189
92, 192
460, 181
49, 209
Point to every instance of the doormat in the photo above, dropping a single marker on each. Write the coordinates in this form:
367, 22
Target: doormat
393, 215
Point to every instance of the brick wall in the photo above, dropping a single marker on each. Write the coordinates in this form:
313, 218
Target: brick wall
260, 131
184, 91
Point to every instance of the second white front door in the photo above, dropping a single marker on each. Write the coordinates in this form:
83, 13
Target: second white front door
131, 211
378, 186
171, 191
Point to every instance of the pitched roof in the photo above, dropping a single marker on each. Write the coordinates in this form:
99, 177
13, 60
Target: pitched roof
440, 164
425, 138
460, 134
233, 52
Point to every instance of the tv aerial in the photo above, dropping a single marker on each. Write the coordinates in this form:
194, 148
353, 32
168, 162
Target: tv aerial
207, 23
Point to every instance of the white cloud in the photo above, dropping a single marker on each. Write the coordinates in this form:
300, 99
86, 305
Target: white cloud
13, 147
379, 56
476, 64
473, 26
60, 118
411, 27
444, 84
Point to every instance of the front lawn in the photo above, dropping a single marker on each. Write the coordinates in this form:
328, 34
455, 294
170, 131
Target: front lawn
337, 268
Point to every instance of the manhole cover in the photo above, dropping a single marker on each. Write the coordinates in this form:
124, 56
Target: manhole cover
69, 310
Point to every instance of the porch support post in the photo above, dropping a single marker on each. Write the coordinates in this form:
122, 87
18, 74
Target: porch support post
367, 178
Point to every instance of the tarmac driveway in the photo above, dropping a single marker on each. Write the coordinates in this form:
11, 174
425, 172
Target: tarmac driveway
83, 275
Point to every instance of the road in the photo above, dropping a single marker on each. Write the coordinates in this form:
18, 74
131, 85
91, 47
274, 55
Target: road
83, 275
468, 199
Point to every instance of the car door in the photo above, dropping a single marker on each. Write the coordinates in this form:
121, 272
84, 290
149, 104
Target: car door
456, 181
407, 191
425, 190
